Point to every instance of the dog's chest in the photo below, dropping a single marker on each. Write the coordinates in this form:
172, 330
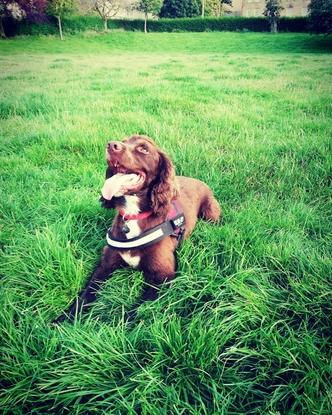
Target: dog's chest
132, 261
132, 208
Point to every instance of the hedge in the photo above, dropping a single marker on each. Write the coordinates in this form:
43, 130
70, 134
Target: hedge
76, 24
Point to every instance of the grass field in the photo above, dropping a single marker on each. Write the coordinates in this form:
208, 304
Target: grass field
245, 328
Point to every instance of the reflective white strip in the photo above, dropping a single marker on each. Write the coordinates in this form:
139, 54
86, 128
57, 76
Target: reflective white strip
135, 244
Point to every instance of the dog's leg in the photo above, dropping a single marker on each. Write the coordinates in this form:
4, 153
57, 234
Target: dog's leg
210, 208
156, 273
110, 261
159, 266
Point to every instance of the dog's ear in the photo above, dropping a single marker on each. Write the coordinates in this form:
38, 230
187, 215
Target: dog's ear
164, 188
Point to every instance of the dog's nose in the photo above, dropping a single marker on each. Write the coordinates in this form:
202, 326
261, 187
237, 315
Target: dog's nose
115, 146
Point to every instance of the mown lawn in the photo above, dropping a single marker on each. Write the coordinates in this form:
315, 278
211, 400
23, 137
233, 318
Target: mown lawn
245, 328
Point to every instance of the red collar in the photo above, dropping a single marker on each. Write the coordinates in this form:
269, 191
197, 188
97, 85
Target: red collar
139, 216
175, 209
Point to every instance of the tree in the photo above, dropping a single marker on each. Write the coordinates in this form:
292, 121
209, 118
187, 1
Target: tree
181, 8
320, 16
272, 12
107, 9
148, 6
33, 10
58, 8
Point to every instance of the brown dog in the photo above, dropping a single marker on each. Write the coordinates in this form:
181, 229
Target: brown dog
146, 191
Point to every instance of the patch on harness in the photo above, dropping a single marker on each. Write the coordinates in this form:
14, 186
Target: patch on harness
178, 221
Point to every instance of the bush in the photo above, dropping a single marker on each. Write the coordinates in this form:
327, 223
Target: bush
74, 24
231, 24
320, 16
257, 24
184, 8
293, 24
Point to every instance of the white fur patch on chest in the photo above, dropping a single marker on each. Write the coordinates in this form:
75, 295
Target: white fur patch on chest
132, 208
132, 261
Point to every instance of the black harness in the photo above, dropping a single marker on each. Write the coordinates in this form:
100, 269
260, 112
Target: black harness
173, 226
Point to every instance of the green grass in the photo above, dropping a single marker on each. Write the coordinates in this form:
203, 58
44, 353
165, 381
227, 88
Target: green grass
245, 328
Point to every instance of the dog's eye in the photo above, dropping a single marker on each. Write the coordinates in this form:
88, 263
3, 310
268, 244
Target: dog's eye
142, 149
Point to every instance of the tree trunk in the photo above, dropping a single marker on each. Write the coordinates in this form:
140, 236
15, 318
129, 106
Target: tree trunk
203, 8
146, 23
105, 25
2, 30
274, 26
60, 26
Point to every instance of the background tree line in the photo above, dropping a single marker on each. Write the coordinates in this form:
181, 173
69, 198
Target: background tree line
320, 11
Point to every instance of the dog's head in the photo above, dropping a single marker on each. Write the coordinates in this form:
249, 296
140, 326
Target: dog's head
140, 155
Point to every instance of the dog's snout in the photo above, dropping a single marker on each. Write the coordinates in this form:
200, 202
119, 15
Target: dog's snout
115, 146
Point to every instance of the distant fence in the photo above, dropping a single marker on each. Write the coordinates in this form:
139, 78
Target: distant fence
76, 24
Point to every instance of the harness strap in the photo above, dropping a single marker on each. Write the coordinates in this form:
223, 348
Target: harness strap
173, 226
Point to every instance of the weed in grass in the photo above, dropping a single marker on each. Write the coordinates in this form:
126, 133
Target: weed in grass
245, 328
